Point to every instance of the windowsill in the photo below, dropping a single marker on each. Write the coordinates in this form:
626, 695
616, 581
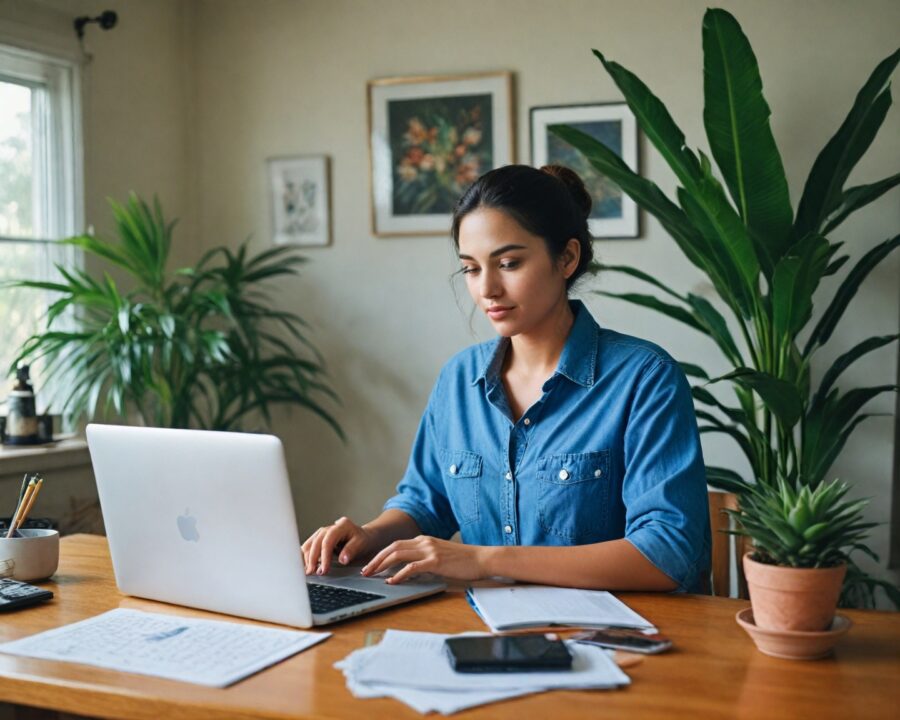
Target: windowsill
69, 451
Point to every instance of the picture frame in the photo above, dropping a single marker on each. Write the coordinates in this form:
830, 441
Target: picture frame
300, 200
430, 138
614, 215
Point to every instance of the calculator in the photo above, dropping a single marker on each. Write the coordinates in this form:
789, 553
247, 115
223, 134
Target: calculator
15, 594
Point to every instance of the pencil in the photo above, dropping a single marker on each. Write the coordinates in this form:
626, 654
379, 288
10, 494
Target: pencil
25, 498
24, 515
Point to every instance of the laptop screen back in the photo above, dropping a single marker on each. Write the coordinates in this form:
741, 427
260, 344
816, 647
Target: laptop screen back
201, 518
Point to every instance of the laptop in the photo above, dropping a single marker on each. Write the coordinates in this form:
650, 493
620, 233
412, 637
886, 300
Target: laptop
206, 519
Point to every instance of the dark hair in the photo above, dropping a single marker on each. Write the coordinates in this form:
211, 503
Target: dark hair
551, 203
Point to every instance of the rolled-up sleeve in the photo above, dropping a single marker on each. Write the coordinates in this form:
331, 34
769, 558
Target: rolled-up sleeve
664, 486
421, 493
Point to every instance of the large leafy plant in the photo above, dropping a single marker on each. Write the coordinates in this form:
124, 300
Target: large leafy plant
198, 346
764, 260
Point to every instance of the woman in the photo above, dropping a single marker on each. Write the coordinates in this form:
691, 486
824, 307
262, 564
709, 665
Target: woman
564, 453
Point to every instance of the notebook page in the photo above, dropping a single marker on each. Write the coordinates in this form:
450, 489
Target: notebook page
538, 605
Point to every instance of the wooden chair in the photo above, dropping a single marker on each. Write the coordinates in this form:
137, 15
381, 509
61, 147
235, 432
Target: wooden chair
725, 547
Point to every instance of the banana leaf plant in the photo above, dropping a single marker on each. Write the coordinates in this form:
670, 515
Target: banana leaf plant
765, 261
199, 346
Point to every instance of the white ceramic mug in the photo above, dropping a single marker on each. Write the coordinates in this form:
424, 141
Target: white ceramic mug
35, 554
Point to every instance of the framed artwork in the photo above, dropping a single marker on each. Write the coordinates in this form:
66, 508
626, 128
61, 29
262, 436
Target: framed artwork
300, 200
430, 138
614, 214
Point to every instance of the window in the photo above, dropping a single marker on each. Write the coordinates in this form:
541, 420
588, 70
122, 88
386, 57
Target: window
40, 187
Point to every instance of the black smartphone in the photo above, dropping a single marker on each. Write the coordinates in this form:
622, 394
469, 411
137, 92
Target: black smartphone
509, 653
623, 639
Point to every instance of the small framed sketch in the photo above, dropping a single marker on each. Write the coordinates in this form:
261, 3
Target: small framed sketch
300, 200
614, 214
430, 138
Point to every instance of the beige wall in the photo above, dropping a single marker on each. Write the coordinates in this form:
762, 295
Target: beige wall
138, 89
189, 98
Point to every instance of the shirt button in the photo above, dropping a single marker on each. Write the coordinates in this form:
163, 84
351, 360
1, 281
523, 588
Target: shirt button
527, 421
509, 476
454, 469
507, 529
598, 472
563, 474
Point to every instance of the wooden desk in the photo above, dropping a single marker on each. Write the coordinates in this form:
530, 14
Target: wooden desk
714, 671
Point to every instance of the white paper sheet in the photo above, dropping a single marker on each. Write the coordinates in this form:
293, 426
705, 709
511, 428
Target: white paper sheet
206, 652
412, 667
521, 606
426, 701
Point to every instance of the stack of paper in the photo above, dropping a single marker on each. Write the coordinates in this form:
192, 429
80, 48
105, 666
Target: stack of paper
412, 667
524, 606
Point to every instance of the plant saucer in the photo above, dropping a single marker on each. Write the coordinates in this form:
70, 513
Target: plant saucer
794, 644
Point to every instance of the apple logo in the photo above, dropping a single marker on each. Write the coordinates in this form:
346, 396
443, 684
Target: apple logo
187, 526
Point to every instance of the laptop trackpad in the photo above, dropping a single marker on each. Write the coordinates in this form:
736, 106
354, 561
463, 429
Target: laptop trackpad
349, 577
351, 572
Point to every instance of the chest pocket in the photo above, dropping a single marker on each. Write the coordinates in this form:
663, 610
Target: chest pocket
462, 476
573, 501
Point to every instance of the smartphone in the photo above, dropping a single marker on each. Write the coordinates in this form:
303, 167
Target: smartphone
624, 639
513, 653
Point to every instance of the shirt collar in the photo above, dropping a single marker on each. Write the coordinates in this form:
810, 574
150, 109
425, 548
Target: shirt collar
492, 354
578, 361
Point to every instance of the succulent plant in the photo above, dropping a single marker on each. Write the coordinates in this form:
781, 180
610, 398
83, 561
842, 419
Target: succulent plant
805, 528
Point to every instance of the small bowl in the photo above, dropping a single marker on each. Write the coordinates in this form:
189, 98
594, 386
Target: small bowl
794, 644
34, 555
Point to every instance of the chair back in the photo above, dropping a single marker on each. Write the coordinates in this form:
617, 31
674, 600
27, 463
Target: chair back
726, 549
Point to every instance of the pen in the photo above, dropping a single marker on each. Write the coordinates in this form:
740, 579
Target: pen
25, 498
22, 489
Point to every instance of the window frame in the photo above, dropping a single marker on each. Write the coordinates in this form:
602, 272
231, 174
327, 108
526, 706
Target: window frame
60, 152
61, 149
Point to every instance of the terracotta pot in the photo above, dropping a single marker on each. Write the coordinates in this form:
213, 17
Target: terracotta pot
786, 598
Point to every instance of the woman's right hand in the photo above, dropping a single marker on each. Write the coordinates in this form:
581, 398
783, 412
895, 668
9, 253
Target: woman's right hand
352, 540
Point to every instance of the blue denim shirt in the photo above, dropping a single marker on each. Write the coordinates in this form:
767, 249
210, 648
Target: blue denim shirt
610, 450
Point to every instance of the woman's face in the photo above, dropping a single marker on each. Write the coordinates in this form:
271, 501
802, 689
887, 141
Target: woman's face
509, 272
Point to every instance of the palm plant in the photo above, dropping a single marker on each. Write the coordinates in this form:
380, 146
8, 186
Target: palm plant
764, 261
198, 347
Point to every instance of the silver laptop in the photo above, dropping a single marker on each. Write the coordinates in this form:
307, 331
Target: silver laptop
206, 519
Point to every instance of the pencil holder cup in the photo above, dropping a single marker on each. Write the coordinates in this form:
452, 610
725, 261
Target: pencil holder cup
34, 555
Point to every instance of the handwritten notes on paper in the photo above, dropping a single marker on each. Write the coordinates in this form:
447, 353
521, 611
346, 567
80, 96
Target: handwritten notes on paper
207, 652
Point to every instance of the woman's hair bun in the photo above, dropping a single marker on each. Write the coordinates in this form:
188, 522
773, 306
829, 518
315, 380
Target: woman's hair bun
574, 185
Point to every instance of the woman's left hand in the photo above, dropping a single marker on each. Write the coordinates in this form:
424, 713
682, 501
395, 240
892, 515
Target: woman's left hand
428, 554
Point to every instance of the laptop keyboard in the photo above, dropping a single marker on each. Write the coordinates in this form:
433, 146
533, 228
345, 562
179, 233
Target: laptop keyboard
326, 598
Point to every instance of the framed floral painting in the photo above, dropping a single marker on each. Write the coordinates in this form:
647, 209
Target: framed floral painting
429, 140
613, 214
300, 202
